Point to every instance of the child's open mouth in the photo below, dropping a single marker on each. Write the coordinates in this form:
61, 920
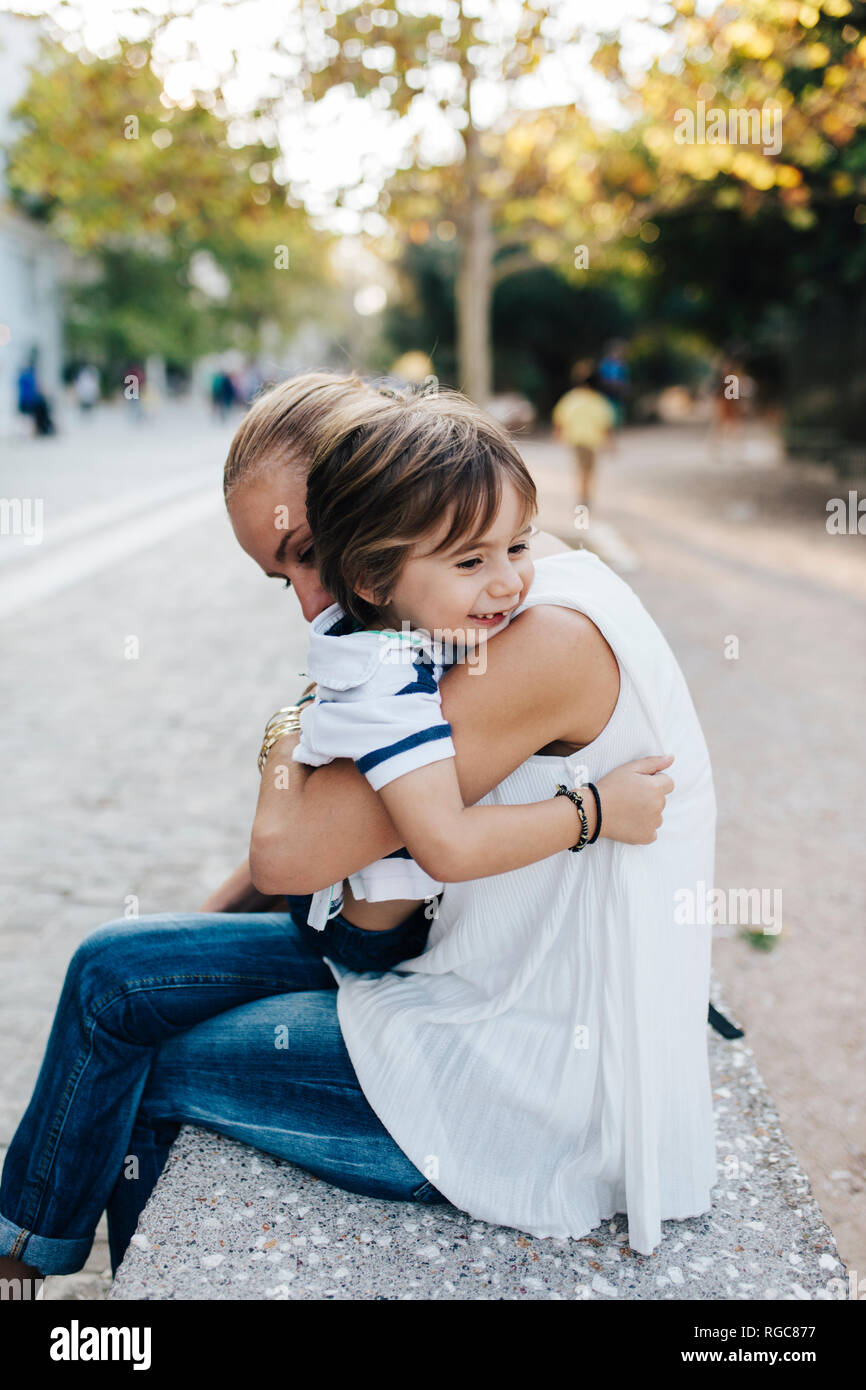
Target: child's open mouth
489, 619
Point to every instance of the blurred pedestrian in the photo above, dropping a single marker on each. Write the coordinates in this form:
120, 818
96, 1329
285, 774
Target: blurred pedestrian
87, 388
584, 419
614, 380
727, 420
31, 399
250, 382
223, 394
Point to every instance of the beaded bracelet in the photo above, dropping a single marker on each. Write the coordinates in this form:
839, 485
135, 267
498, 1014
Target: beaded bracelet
575, 797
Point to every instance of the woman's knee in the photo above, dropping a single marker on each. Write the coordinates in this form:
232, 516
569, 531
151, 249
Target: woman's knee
107, 942
109, 958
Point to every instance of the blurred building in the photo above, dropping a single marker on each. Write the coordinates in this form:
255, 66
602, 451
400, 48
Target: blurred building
32, 262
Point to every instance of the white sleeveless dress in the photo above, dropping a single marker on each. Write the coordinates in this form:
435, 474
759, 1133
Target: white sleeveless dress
544, 1062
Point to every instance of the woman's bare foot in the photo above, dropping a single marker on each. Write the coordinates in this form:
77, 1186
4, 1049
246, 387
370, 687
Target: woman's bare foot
18, 1280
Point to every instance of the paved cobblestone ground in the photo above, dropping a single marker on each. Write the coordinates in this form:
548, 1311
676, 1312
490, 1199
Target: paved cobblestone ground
126, 778
136, 778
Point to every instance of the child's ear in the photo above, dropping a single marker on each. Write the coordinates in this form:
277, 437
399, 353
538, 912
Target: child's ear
363, 591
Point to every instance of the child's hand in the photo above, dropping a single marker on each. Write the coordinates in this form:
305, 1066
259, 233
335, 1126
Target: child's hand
633, 800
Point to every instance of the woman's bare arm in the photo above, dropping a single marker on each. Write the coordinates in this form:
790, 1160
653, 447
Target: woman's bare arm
237, 894
549, 676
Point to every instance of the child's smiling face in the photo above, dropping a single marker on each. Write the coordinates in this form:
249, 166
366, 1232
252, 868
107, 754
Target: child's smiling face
466, 592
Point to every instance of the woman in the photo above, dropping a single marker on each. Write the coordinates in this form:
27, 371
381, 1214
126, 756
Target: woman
172, 1019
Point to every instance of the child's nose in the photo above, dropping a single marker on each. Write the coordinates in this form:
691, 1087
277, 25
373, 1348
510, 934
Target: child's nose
504, 584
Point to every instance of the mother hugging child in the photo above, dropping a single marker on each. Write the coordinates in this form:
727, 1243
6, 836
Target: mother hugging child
459, 897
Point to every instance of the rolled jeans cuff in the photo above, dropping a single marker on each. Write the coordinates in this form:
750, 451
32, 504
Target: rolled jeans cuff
47, 1253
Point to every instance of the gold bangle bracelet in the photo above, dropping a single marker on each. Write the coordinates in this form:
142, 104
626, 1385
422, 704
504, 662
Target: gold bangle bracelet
288, 726
266, 749
287, 712
286, 720
273, 733
277, 730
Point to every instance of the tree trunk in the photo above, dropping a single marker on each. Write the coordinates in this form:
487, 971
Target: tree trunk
474, 285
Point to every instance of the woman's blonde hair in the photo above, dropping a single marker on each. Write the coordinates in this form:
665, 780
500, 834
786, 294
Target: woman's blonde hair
284, 424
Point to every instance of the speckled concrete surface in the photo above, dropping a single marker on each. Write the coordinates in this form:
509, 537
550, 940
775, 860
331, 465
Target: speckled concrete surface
227, 1222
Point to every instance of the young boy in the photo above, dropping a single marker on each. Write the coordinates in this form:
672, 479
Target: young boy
448, 484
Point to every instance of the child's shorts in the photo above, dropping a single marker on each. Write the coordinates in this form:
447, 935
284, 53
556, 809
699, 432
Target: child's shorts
361, 950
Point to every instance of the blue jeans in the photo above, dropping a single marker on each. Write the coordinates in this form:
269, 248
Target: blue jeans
228, 1021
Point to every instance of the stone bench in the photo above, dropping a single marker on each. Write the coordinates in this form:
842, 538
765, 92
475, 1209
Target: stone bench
228, 1222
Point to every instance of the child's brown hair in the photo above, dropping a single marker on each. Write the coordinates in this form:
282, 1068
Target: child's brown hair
382, 478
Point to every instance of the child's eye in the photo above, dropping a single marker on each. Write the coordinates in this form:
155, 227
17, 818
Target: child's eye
306, 557
516, 549
469, 564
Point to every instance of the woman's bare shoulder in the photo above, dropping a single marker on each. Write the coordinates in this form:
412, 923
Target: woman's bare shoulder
549, 677
561, 637
572, 662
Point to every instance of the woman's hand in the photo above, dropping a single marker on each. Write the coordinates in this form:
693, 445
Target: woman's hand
633, 800
238, 894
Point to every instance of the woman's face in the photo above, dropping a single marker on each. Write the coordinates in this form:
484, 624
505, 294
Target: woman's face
269, 519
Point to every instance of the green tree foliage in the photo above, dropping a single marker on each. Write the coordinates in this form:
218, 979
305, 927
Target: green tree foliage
751, 224
541, 322
764, 241
437, 53
145, 191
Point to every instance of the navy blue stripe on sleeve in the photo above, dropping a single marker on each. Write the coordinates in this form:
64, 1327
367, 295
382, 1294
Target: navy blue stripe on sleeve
381, 755
423, 681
